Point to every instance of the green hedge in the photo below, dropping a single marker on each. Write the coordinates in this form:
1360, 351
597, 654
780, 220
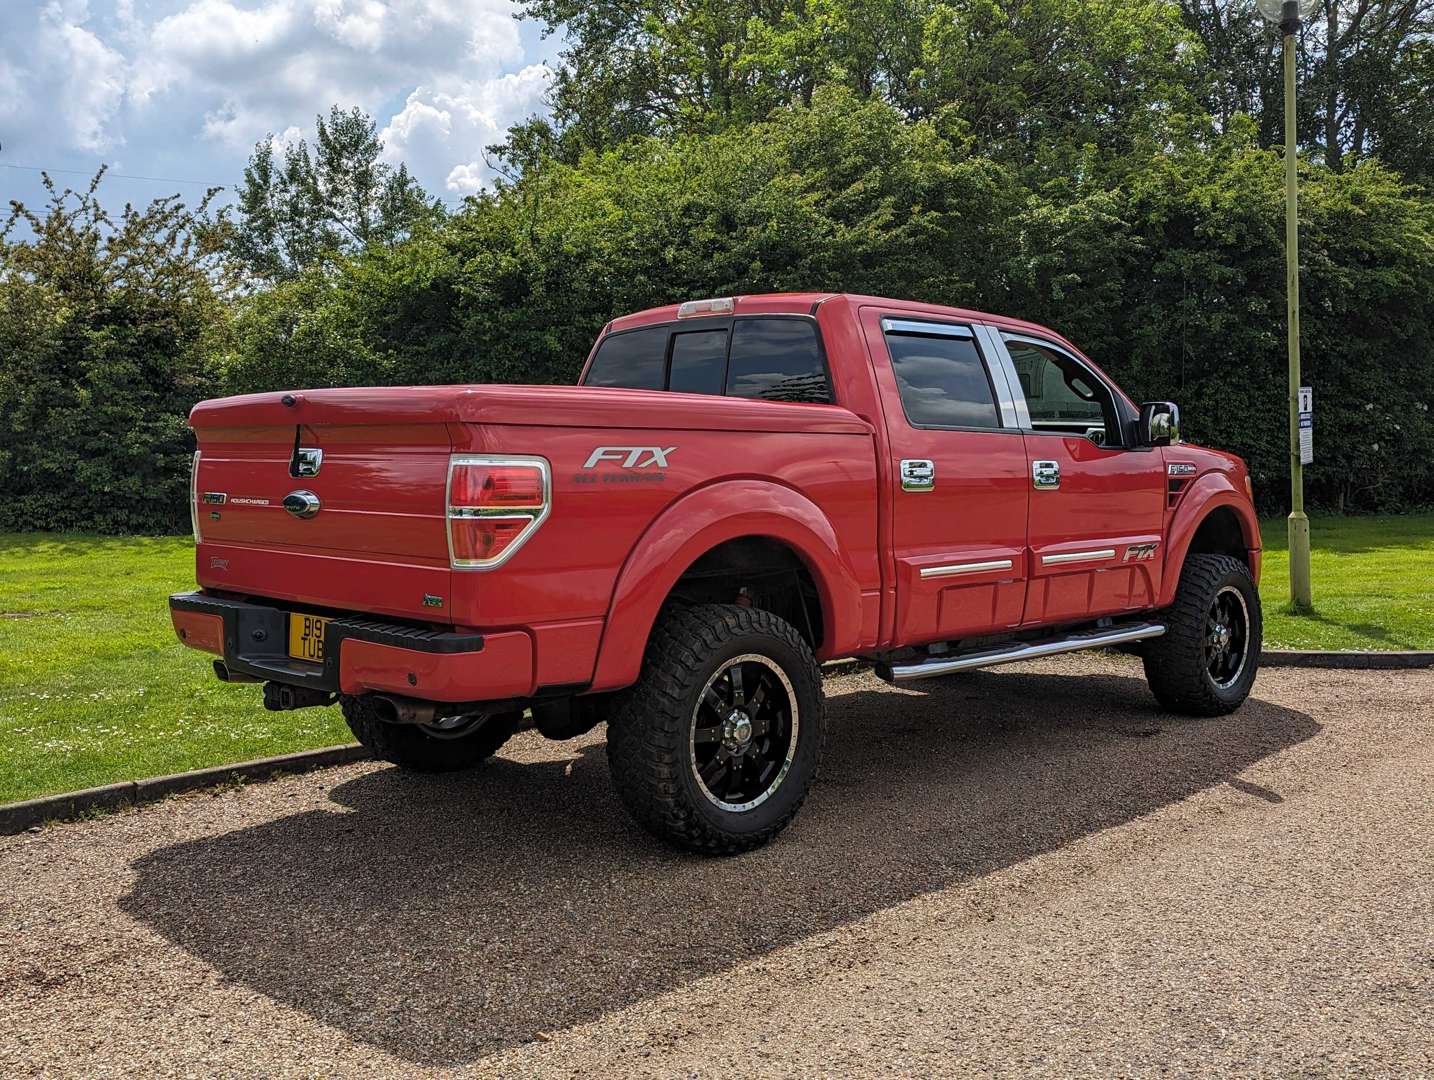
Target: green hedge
106, 328
1172, 278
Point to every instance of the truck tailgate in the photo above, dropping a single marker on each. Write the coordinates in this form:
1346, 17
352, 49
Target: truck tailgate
376, 539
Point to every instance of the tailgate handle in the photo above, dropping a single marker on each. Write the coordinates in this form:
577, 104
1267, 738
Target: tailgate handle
302, 504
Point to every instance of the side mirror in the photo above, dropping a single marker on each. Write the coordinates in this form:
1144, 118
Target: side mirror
1159, 423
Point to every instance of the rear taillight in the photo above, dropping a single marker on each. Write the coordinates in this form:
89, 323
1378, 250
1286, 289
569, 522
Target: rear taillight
194, 496
494, 505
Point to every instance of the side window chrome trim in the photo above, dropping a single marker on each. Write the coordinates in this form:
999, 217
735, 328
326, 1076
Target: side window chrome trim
1046, 343
933, 329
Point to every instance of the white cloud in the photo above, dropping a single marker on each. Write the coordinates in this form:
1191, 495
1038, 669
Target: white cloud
439, 126
275, 57
79, 76
204, 80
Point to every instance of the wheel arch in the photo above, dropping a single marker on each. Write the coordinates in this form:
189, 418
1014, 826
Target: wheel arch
726, 524
1214, 518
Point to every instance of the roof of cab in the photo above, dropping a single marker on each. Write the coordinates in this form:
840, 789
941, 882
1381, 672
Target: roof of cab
806, 303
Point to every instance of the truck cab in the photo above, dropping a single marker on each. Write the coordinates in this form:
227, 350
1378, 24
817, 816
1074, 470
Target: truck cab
736, 490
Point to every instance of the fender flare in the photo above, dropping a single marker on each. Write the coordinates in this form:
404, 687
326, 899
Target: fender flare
694, 525
1209, 493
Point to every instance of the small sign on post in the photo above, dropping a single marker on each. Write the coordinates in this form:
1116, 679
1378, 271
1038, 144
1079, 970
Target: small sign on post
1306, 410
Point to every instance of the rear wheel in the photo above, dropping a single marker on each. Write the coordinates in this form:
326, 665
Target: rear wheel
446, 745
716, 745
1206, 661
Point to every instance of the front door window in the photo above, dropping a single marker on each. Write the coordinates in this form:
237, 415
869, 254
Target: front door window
1062, 396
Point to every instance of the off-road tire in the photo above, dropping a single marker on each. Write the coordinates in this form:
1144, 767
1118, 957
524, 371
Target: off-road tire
410, 747
1175, 662
650, 727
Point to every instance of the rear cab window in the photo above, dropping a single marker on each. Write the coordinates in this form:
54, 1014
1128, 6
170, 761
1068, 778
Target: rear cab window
777, 360
636, 360
768, 357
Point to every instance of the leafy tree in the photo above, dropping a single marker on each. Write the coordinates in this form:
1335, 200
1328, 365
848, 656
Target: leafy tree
1173, 279
1364, 70
105, 325
313, 205
1027, 81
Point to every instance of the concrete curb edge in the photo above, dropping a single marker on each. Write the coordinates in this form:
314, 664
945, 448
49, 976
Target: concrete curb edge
1347, 661
17, 817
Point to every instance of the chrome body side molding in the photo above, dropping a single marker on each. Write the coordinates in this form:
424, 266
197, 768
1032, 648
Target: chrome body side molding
1077, 556
956, 569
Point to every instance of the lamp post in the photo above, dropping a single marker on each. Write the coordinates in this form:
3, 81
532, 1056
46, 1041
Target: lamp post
1288, 14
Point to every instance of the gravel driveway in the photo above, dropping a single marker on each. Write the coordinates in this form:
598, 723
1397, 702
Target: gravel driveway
1024, 871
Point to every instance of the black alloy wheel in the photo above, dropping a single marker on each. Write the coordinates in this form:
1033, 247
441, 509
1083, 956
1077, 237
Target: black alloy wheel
744, 733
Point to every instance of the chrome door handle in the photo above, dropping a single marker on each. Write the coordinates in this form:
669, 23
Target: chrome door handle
1045, 475
918, 474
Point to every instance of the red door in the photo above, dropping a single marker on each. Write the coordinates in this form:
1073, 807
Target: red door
1097, 508
959, 473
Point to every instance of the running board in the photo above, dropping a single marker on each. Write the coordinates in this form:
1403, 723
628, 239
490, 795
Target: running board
1010, 653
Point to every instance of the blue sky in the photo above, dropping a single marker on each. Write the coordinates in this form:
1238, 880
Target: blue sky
182, 89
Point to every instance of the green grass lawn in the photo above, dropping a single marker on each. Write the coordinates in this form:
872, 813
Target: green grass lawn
95, 688
1373, 584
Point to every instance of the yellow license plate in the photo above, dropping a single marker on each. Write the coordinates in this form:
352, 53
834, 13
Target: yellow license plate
306, 637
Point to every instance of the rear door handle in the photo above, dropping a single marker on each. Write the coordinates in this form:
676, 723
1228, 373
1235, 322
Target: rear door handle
1045, 475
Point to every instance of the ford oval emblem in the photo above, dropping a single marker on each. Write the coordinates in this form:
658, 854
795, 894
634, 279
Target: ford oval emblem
302, 504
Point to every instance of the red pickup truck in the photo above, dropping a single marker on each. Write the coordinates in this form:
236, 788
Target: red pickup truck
737, 490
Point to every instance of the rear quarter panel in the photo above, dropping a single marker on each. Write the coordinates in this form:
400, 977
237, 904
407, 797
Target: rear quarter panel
561, 583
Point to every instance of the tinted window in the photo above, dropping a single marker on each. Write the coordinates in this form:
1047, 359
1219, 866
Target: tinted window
778, 360
1061, 395
942, 381
636, 360
699, 362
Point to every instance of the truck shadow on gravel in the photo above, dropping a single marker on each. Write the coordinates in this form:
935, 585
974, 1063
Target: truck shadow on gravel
442, 918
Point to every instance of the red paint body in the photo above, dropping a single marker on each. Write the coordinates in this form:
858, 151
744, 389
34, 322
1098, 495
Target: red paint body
573, 606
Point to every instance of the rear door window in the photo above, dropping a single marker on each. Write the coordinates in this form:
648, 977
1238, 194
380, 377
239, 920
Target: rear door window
942, 379
636, 360
777, 360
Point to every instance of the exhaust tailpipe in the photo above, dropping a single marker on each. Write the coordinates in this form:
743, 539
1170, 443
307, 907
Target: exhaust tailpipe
393, 709
223, 674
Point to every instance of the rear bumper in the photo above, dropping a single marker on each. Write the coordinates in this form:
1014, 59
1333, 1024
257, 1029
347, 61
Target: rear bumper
360, 655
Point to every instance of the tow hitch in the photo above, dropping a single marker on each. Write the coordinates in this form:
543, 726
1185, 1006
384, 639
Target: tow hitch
280, 697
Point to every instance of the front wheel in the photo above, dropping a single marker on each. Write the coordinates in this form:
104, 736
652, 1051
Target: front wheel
716, 745
1205, 663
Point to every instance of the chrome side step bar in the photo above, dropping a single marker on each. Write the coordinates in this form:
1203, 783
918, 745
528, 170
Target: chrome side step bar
1009, 653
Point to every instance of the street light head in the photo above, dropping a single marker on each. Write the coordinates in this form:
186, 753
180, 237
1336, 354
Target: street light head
1281, 11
